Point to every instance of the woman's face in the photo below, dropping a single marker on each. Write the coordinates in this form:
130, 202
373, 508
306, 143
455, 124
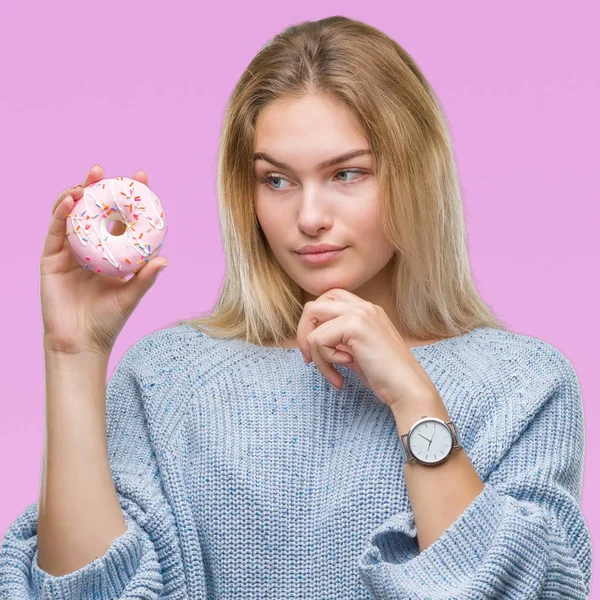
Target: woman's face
302, 203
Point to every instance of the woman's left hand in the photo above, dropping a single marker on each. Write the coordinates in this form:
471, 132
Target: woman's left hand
341, 328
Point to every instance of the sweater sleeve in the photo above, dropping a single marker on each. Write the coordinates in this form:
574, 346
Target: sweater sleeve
523, 537
145, 558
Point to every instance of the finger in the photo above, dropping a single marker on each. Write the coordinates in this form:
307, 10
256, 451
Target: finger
135, 288
74, 190
327, 369
57, 230
331, 295
95, 174
323, 344
329, 342
340, 294
345, 348
141, 176
315, 313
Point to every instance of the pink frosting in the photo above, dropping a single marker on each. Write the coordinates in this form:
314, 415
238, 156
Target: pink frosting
116, 199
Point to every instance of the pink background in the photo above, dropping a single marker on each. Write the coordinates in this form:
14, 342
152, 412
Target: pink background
133, 86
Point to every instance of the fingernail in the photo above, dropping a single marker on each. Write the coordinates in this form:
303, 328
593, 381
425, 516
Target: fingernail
162, 268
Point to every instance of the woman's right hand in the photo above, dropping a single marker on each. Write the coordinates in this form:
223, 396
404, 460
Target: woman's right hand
81, 310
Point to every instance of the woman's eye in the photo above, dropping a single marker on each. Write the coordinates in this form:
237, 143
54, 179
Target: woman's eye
269, 177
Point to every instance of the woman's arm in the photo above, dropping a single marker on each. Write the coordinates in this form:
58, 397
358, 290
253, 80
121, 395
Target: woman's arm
438, 494
524, 535
146, 561
79, 512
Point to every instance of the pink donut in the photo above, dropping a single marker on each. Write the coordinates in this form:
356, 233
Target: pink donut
116, 199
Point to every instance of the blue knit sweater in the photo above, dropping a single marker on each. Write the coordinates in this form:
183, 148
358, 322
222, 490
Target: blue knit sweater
243, 474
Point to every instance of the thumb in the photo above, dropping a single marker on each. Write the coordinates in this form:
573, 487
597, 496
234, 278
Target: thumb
135, 288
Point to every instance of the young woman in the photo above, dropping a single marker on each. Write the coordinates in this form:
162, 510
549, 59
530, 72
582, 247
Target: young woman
351, 420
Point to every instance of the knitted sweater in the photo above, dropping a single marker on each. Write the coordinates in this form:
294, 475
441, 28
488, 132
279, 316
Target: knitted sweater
243, 474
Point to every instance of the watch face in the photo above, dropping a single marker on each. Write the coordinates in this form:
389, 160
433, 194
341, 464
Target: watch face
430, 441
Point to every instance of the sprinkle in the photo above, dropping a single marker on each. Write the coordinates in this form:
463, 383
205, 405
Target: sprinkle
83, 213
128, 260
98, 270
88, 258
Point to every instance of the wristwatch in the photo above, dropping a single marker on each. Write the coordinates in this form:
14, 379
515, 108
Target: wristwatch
429, 441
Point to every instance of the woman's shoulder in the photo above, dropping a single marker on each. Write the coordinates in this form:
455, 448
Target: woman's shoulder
162, 369
515, 375
505, 381
515, 352
180, 353
172, 342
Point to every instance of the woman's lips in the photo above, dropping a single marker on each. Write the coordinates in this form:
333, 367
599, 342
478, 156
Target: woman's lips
317, 258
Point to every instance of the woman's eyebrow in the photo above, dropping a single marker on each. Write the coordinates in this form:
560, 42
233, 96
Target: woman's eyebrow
323, 165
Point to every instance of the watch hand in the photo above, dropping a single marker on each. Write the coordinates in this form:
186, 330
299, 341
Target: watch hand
425, 438
431, 440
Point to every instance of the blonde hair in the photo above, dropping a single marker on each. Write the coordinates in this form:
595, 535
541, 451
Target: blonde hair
419, 195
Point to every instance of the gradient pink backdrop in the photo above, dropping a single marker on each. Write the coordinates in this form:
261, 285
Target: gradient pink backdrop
131, 86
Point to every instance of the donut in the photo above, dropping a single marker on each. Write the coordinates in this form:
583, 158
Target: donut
116, 199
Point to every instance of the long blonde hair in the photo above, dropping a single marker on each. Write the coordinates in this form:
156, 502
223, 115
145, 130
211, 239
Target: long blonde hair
419, 193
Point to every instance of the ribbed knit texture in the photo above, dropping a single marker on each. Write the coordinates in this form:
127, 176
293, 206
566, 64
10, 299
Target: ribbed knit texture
243, 474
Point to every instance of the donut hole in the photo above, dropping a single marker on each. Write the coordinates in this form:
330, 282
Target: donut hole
116, 228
